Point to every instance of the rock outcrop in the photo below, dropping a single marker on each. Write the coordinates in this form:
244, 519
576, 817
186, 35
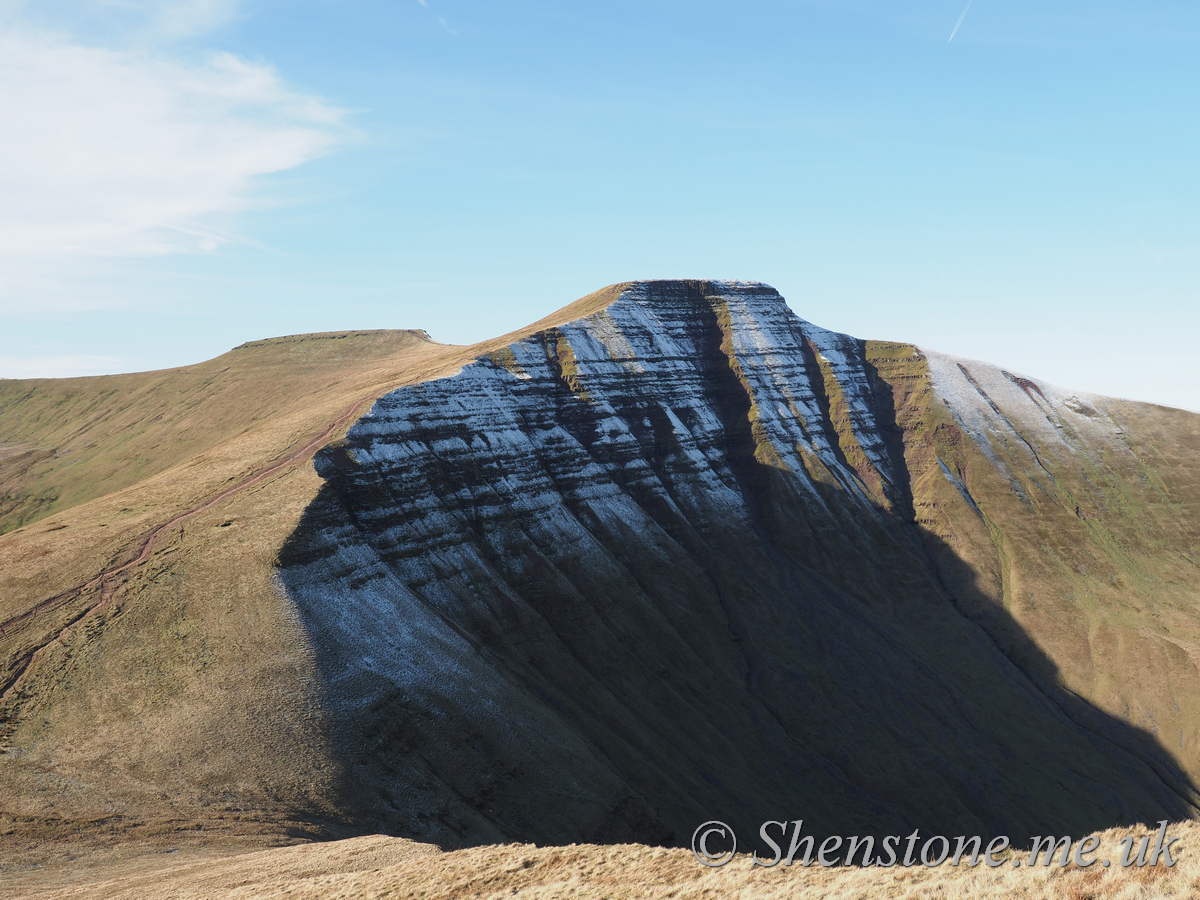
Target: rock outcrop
692, 557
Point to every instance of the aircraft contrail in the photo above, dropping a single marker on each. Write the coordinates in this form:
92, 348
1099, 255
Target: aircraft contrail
960, 20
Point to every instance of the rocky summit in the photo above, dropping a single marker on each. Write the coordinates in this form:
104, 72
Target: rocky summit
670, 555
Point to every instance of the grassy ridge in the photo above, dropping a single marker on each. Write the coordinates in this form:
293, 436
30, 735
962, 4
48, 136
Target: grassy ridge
71, 440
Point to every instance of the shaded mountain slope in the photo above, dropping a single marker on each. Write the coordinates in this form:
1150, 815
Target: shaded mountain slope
692, 557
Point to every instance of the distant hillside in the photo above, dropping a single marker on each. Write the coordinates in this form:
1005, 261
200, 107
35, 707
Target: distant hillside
670, 554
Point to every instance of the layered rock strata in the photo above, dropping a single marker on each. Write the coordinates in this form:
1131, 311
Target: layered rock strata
692, 557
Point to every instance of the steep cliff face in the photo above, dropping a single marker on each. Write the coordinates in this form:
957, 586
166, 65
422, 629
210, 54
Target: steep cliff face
691, 557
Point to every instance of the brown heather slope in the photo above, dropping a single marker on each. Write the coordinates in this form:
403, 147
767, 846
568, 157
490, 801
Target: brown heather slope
667, 555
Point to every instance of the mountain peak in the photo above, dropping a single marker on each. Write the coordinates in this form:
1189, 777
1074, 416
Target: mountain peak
670, 554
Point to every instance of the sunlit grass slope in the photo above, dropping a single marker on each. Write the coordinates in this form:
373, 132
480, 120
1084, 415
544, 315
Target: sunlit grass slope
70, 440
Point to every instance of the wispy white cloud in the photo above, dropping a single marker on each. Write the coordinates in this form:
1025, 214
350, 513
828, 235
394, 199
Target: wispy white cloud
131, 152
173, 19
120, 152
125, 21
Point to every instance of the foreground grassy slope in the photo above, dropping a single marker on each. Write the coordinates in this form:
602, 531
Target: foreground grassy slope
380, 866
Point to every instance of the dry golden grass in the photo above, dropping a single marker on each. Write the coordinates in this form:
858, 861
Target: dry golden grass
378, 867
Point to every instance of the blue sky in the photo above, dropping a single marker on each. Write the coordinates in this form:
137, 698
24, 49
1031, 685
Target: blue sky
184, 176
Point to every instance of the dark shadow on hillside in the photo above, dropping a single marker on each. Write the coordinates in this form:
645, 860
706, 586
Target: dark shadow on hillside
497, 671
